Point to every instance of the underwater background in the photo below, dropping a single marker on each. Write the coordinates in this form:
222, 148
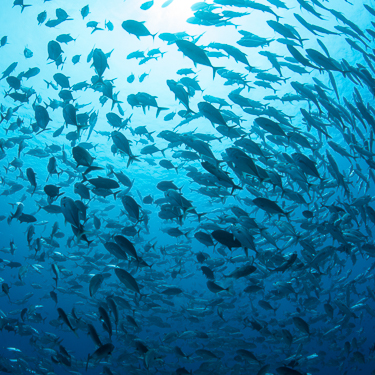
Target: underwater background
190, 194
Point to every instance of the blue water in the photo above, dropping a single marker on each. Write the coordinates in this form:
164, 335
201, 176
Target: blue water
341, 225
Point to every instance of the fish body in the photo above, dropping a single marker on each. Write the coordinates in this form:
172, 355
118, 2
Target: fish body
195, 53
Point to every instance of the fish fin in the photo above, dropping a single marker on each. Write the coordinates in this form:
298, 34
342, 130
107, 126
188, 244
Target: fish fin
88, 359
200, 216
131, 159
159, 109
215, 69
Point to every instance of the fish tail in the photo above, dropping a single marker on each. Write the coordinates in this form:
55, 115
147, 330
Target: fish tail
230, 289
131, 159
235, 187
160, 109
215, 69
180, 218
75, 332
88, 359
189, 110
25, 6
200, 216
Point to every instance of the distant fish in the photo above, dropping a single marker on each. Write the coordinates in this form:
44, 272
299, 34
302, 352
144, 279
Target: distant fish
136, 28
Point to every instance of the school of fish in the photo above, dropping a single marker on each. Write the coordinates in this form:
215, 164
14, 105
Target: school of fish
210, 211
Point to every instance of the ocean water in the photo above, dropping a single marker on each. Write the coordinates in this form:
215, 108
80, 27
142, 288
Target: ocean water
274, 196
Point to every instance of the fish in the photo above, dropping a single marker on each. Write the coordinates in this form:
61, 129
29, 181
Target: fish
100, 353
95, 283
226, 238
215, 288
85, 11
136, 28
246, 208
211, 113
65, 319
127, 280
172, 291
5, 288
195, 53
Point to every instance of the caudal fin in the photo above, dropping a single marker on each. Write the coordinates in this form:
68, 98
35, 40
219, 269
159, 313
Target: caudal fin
215, 69
131, 159
160, 109
87, 364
